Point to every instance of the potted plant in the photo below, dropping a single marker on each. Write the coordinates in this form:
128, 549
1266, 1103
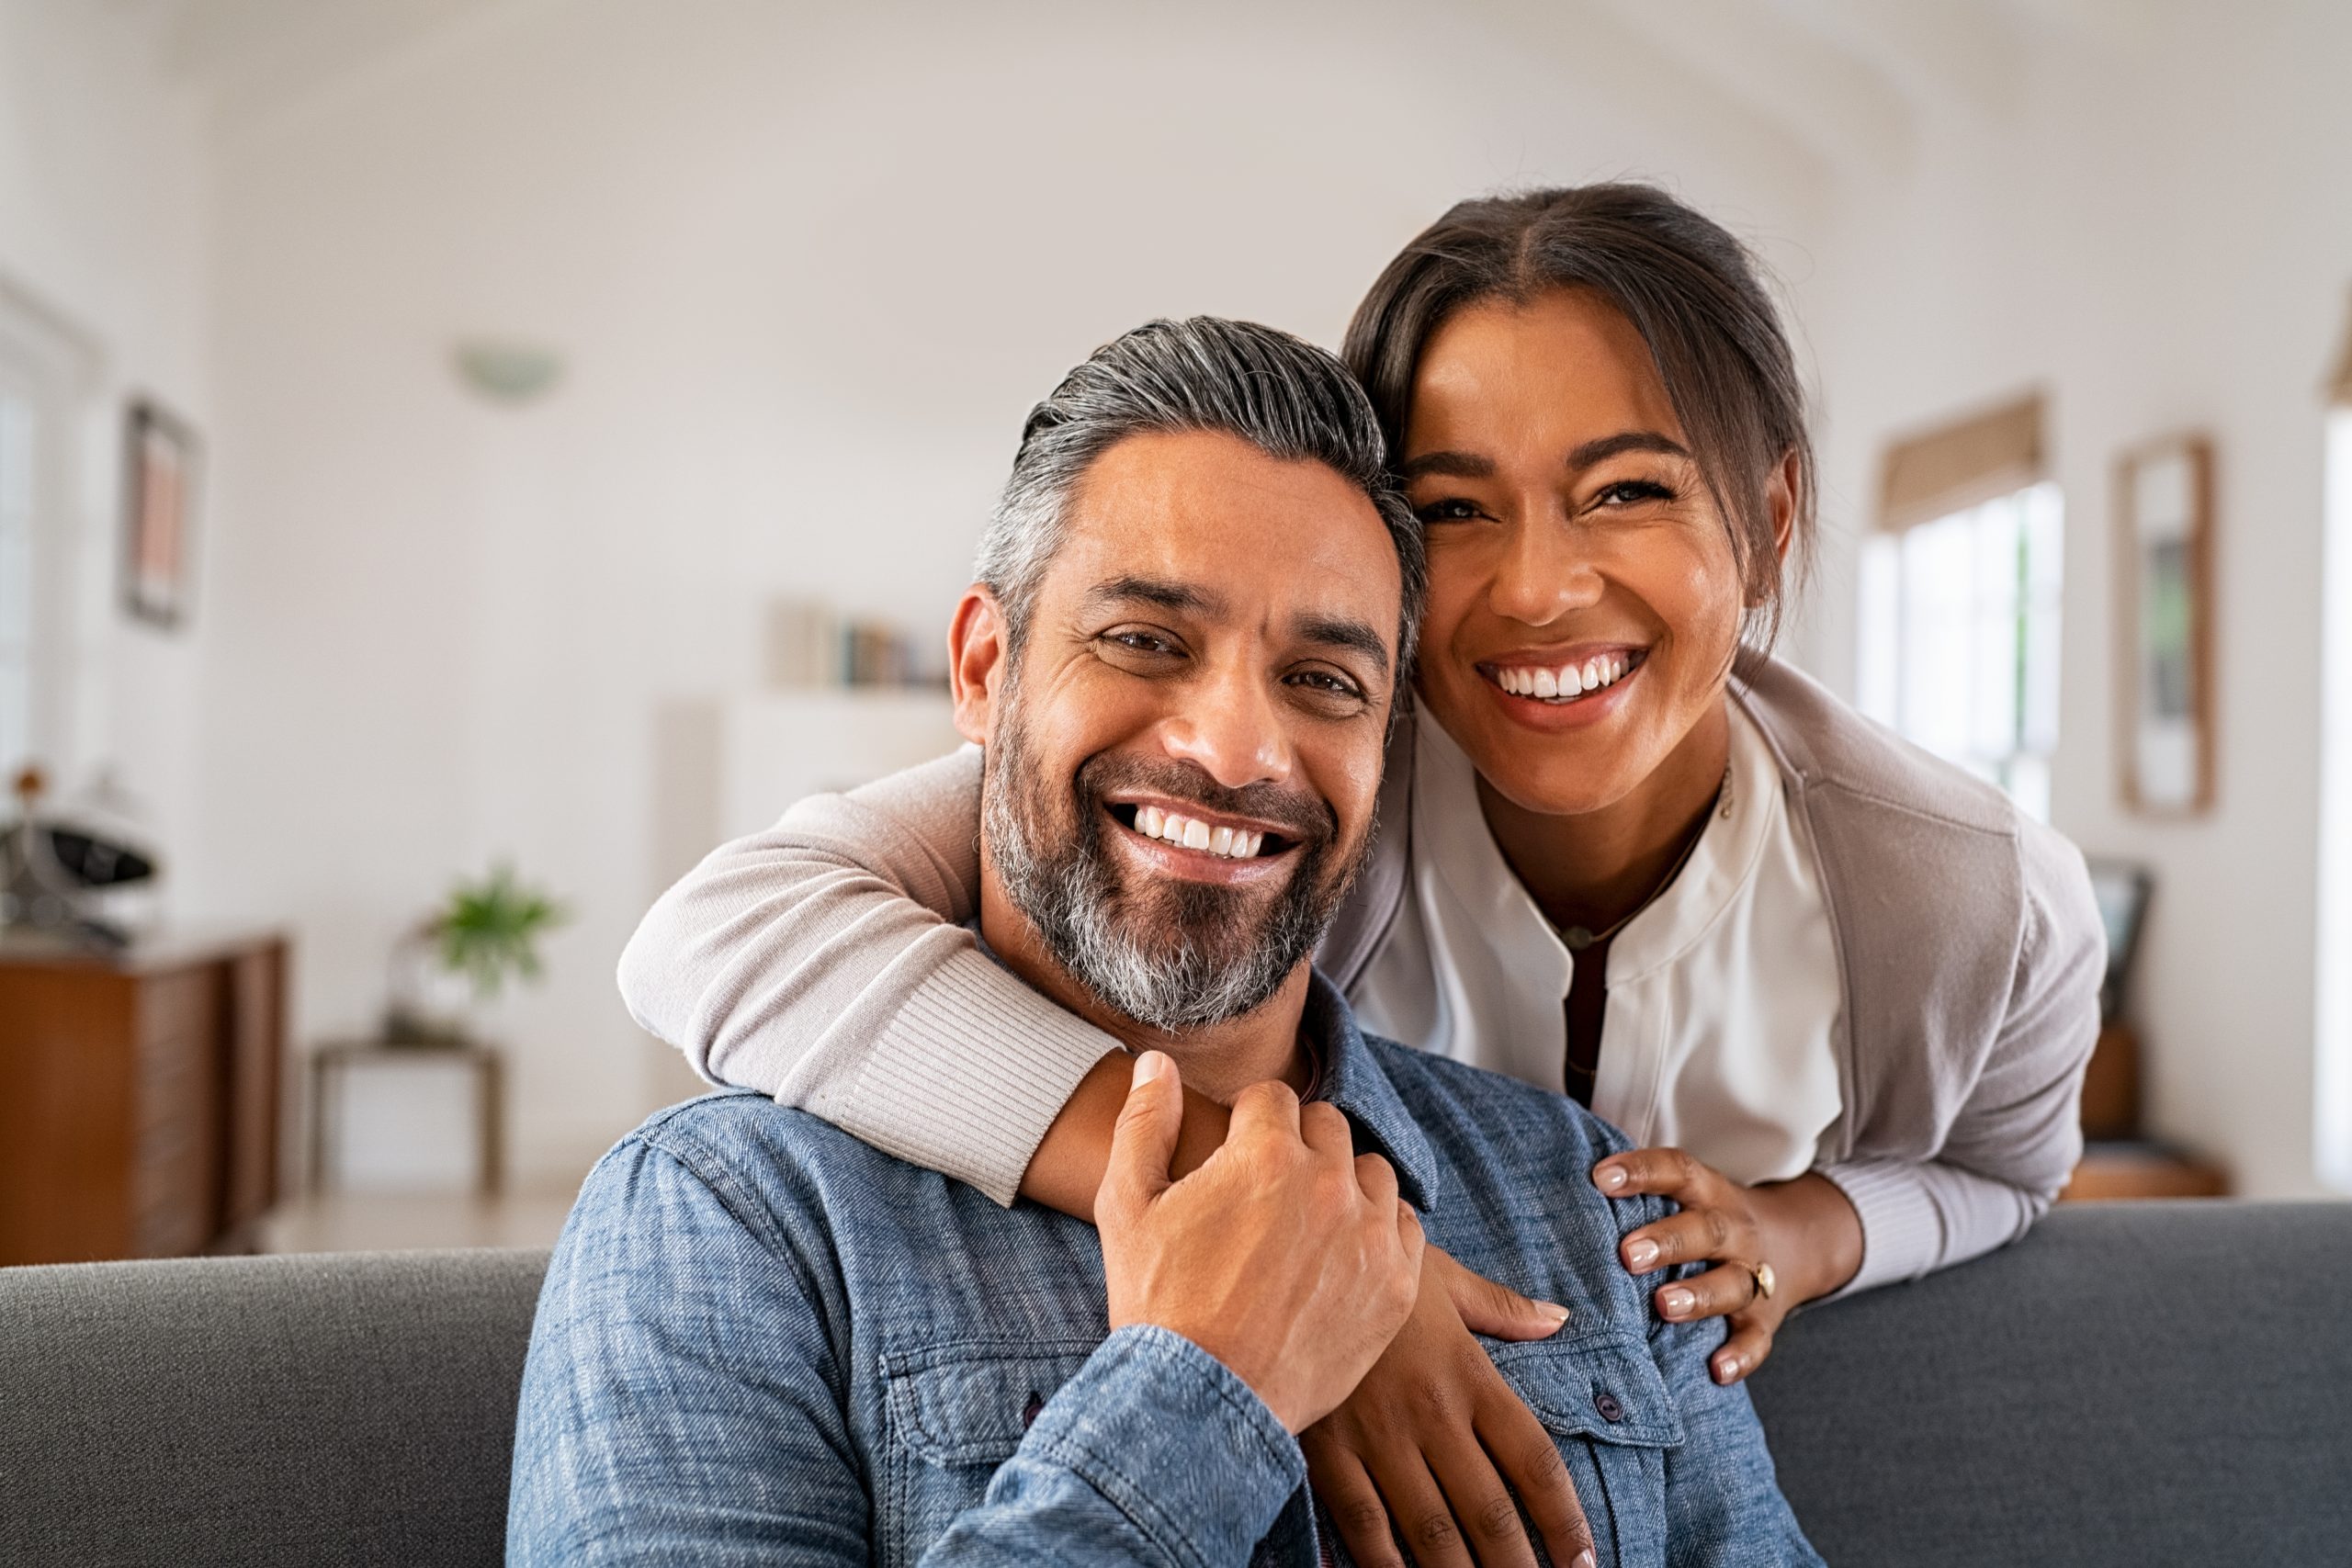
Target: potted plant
485, 933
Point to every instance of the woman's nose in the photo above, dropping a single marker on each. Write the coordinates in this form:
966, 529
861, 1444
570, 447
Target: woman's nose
1543, 571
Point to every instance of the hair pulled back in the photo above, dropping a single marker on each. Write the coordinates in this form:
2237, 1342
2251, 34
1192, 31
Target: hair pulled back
1688, 286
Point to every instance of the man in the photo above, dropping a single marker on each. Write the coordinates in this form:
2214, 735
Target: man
762, 1340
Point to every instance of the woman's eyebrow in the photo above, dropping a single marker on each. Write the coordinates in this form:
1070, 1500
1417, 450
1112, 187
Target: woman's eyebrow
1453, 465
1602, 448
1470, 466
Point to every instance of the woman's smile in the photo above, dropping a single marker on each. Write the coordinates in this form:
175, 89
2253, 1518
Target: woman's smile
1549, 690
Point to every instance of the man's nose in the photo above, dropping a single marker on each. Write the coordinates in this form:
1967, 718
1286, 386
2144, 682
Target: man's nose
1230, 724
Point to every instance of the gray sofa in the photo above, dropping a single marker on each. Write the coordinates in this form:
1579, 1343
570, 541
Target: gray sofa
2132, 1385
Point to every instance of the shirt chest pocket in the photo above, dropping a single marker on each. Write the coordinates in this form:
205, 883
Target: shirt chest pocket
1606, 1405
953, 1414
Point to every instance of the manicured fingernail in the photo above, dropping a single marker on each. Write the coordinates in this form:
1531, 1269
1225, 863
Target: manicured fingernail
1610, 1178
1149, 1065
1556, 1312
1584, 1559
1727, 1369
1641, 1255
1672, 1300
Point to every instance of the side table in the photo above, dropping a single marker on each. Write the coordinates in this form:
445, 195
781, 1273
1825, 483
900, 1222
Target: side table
329, 1062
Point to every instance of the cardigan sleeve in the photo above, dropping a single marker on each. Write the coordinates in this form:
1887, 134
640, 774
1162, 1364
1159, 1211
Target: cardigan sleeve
825, 962
2018, 1134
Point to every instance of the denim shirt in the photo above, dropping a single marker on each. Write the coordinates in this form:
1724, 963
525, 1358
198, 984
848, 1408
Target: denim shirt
763, 1341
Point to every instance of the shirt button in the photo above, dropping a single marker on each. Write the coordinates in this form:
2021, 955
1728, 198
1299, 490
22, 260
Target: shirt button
1606, 1403
1037, 1403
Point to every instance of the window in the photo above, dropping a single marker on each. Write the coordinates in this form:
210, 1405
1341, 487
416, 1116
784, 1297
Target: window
1959, 601
1960, 651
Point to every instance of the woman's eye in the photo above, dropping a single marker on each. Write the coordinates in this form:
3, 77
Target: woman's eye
1451, 510
1633, 493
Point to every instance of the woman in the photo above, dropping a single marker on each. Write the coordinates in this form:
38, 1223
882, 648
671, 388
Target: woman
1843, 991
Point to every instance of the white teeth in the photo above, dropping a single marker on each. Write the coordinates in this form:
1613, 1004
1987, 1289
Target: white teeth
1232, 843
1567, 681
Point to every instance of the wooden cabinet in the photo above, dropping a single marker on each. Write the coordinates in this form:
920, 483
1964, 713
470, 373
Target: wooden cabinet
139, 1098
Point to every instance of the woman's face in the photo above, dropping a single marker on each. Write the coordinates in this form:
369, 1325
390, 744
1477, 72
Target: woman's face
1584, 600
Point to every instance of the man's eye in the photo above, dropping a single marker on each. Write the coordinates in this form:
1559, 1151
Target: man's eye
1140, 642
1327, 681
1453, 509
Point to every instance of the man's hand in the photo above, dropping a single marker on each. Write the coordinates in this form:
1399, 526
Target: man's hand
1805, 1230
1433, 1442
1286, 1256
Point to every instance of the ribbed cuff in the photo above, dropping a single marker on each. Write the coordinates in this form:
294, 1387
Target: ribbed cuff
1903, 1230
1173, 1439
970, 1075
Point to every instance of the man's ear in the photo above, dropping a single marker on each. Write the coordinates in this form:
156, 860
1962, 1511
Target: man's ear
979, 661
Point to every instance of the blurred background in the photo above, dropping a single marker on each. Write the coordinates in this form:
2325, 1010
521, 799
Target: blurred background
460, 459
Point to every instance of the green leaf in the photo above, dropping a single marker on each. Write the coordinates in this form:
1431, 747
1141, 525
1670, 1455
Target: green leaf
489, 930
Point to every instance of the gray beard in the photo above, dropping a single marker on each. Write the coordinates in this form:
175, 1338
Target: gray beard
1179, 956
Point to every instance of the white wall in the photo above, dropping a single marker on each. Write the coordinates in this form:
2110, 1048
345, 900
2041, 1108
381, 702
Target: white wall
808, 271
2159, 236
105, 189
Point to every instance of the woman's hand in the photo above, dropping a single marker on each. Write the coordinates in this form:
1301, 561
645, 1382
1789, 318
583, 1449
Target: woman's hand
1805, 1229
1432, 1443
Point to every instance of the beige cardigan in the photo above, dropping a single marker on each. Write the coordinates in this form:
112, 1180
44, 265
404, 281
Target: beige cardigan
825, 962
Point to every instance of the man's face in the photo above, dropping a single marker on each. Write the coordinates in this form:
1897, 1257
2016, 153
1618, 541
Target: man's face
1184, 756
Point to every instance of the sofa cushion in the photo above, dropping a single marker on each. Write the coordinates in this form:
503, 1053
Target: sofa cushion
353, 1409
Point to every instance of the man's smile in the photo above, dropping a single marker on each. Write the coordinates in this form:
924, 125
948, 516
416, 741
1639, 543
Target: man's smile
1177, 838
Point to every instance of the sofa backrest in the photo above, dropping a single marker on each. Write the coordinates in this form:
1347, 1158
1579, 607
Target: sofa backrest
2130, 1385
355, 1409
2133, 1383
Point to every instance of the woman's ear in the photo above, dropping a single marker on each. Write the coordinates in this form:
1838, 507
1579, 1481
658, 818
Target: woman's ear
1787, 486
977, 657
1781, 493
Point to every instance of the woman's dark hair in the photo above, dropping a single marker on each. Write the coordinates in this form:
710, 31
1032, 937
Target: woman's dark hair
1689, 288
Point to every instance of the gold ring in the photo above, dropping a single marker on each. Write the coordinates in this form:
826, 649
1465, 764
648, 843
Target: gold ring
1763, 1274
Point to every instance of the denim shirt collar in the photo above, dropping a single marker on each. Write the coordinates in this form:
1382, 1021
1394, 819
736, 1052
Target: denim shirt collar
1350, 1079
1354, 1081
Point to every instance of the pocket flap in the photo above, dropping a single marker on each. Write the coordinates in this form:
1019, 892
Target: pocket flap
971, 1403
1604, 1387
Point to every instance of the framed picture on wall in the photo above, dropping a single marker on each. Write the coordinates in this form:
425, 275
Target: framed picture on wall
158, 508
2165, 551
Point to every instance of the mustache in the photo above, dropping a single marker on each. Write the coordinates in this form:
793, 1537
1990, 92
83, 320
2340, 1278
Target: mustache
1301, 815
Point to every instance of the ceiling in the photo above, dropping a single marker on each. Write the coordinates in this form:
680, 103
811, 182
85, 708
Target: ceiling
1850, 80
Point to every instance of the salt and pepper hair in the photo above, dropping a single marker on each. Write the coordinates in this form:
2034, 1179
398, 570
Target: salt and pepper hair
1283, 396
